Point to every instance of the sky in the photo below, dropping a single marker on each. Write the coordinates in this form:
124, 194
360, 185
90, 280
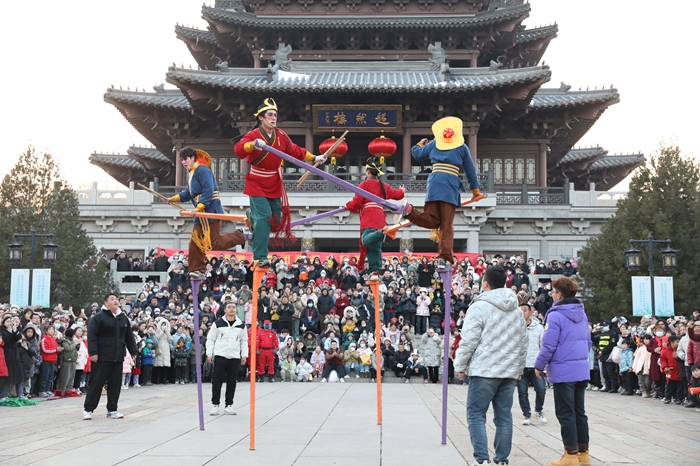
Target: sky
59, 58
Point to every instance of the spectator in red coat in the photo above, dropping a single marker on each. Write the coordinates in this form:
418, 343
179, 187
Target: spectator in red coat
670, 367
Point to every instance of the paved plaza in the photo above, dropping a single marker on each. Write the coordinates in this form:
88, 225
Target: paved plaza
329, 424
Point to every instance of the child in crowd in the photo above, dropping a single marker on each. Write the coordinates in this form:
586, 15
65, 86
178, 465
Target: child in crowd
147, 355
626, 371
640, 366
49, 355
66, 375
304, 370
289, 368
181, 354
127, 366
414, 367
351, 358
670, 368
694, 388
365, 358
318, 361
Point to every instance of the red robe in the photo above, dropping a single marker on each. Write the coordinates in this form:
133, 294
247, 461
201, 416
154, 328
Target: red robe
372, 214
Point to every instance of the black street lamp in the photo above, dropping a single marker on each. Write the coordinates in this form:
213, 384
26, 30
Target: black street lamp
15, 253
633, 259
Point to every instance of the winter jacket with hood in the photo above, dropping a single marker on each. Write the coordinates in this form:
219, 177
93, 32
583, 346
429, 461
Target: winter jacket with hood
494, 337
565, 343
432, 355
534, 341
162, 354
228, 339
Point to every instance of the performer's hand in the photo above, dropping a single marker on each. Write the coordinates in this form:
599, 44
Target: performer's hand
93, 358
258, 144
475, 192
402, 188
175, 198
319, 159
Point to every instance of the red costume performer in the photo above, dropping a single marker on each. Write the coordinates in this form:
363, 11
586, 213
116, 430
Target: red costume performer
267, 343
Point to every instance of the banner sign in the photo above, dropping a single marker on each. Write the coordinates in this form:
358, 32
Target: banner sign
292, 256
41, 287
19, 287
663, 296
358, 118
641, 296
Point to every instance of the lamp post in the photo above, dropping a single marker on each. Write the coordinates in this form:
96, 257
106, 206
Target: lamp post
633, 259
15, 252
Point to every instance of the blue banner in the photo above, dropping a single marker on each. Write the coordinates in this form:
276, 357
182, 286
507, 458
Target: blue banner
19, 287
41, 287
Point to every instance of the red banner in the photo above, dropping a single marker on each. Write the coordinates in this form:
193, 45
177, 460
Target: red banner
292, 256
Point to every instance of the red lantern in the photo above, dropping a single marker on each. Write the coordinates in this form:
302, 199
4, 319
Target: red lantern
338, 152
382, 147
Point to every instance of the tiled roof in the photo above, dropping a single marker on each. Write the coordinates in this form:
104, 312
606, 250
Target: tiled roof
361, 77
170, 98
117, 160
553, 98
196, 34
529, 35
613, 161
576, 155
363, 22
148, 153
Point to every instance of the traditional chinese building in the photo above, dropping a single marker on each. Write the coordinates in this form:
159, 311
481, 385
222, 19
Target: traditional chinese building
375, 68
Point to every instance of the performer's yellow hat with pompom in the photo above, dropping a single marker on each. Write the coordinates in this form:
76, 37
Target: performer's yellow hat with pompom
448, 133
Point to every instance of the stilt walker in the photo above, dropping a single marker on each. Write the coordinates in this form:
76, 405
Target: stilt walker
269, 206
196, 282
447, 153
374, 285
446, 277
203, 191
372, 216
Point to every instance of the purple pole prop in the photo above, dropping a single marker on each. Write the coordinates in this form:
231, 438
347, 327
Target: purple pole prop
313, 218
446, 276
197, 351
397, 208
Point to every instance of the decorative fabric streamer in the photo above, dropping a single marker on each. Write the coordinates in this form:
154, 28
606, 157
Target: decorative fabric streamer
203, 242
434, 235
18, 402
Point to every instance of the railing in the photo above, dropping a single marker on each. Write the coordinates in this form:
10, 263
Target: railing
534, 195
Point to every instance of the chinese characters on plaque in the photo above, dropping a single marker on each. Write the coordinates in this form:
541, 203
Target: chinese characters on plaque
368, 118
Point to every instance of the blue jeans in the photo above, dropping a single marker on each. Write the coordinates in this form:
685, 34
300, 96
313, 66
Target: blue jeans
483, 392
47, 370
5, 386
569, 406
352, 366
523, 384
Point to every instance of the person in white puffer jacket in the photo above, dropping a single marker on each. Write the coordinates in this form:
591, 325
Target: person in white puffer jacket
492, 350
535, 330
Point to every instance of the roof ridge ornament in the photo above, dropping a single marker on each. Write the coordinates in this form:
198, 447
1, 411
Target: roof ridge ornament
565, 87
497, 64
281, 56
439, 56
221, 65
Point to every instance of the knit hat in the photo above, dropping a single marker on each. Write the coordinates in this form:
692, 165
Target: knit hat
70, 332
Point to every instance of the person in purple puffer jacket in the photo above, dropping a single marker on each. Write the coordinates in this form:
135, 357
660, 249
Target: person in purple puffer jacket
565, 346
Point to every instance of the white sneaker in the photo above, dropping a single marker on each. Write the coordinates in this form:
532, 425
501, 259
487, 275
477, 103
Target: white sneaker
541, 417
125, 387
323, 380
357, 376
527, 421
87, 415
214, 411
229, 410
342, 380
115, 415
137, 386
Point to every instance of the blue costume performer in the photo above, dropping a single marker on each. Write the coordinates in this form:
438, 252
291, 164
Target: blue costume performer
447, 153
203, 191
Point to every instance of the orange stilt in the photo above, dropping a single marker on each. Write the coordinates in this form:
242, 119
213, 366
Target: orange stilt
391, 231
374, 285
258, 275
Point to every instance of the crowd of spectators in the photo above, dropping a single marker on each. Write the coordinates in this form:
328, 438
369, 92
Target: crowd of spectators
323, 317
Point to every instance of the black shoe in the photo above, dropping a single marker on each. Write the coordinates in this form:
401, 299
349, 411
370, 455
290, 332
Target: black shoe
614, 390
263, 264
605, 390
258, 379
271, 379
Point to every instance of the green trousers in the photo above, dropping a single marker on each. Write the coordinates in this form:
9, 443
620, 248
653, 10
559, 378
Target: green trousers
263, 210
372, 240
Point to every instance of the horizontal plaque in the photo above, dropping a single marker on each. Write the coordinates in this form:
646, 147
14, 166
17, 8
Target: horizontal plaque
368, 118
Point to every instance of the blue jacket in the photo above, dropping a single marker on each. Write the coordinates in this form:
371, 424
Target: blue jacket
147, 356
565, 343
202, 189
443, 186
626, 360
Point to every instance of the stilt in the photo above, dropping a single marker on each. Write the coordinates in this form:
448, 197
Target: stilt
374, 285
446, 276
196, 282
258, 275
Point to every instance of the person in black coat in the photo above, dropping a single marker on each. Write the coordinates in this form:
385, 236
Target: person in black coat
11, 336
400, 359
109, 337
285, 311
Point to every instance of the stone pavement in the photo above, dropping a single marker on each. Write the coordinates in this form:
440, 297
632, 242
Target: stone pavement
329, 424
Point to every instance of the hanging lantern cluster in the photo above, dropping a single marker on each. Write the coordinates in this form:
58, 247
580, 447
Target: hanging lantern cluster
339, 151
382, 147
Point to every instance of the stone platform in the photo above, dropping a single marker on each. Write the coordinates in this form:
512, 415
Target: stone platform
329, 424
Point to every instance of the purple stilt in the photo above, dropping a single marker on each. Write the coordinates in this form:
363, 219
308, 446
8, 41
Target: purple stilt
397, 208
304, 221
446, 276
197, 351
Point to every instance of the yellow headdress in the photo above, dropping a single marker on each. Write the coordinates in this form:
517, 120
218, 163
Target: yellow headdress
448, 133
374, 164
268, 104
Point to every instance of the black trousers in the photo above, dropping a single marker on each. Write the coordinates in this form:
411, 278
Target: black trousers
108, 372
569, 406
225, 370
422, 371
610, 375
146, 373
434, 373
181, 373
333, 366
